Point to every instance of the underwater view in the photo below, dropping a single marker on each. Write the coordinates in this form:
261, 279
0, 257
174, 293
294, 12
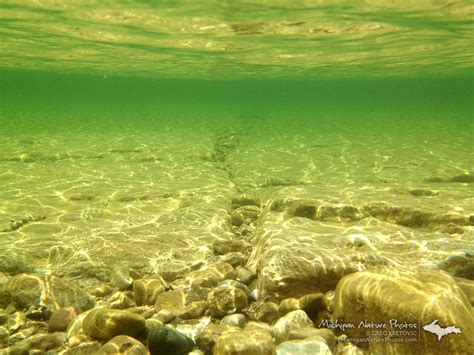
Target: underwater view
243, 177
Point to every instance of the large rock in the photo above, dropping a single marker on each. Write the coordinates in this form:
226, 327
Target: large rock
106, 323
412, 300
35, 290
165, 340
245, 343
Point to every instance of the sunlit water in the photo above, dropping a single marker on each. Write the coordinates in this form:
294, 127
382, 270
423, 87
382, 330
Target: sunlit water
128, 129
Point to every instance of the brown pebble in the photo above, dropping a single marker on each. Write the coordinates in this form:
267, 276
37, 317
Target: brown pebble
61, 318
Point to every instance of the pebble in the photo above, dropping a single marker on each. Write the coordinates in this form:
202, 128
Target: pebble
106, 323
226, 299
121, 278
125, 345
245, 342
61, 318
292, 320
146, 291
194, 310
245, 276
100, 290
120, 300
165, 340
309, 346
165, 316
172, 301
288, 305
227, 246
268, 312
236, 320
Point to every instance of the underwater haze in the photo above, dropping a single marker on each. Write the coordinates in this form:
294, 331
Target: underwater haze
237, 177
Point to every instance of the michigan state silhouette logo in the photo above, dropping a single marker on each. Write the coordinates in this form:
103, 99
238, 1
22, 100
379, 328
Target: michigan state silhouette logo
439, 331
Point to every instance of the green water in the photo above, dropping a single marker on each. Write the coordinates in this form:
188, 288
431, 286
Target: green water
129, 128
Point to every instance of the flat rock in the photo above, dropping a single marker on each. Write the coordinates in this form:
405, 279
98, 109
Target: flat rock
146, 291
35, 290
245, 342
106, 323
408, 297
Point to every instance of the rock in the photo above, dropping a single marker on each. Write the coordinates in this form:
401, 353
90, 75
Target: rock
146, 291
236, 219
234, 258
74, 330
173, 301
221, 247
15, 321
460, 265
100, 290
123, 344
245, 343
226, 299
166, 340
194, 310
324, 333
312, 304
152, 323
411, 298
165, 316
422, 192
245, 276
106, 323
121, 278
293, 320
288, 305
309, 346
120, 300
35, 290
236, 320
206, 340
260, 326
463, 178
346, 348
467, 286
268, 312
38, 342
3, 337
211, 276
61, 318
245, 200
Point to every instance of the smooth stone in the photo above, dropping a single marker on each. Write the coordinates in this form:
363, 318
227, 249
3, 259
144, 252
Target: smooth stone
35, 290
261, 326
211, 275
100, 290
79, 339
245, 276
146, 291
165, 340
125, 345
309, 346
61, 318
173, 301
324, 333
165, 316
288, 305
120, 300
236, 320
106, 323
226, 299
41, 342
313, 303
245, 343
206, 340
194, 310
75, 326
237, 284
287, 323
268, 312
408, 296
121, 278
